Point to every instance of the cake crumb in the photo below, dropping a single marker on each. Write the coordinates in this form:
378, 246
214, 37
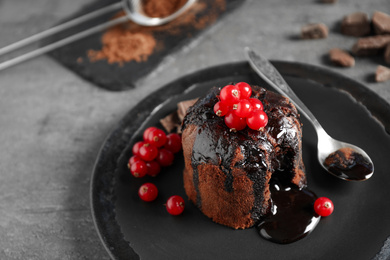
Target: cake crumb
382, 73
314, 31
341, 58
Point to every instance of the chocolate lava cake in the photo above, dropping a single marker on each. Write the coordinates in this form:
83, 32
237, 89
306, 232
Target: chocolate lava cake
227, 173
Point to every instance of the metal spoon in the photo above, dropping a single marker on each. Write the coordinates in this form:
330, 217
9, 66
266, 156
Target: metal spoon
132, 8
362, 167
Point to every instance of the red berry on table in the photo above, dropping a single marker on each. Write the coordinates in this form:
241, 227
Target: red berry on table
147, 131
153, 168
257, 120
148, 192
245, 90
148, 152
138, 169
165, 157
220, 108
133, 159
256, 104
230, 95
243, 108
173, 143
157, 137
234, 122
136, 147
323, 206
175, 205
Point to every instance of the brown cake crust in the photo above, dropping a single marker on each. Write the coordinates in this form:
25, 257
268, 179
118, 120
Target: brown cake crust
227, 173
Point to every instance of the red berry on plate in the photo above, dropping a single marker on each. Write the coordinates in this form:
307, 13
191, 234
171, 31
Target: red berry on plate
245, 90
147, 131
173, 143
234, 122
175, 205
256, 104
148, 152
148, 192
323, 206
153, 168
220, 108
133, 159
230, 95
136, 147
257, 120
165, 157
243, 108
157, 137
138, 169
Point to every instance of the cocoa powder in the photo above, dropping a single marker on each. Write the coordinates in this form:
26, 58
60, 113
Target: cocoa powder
132, 42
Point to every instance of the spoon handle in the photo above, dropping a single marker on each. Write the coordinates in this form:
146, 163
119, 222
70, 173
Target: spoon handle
270, 75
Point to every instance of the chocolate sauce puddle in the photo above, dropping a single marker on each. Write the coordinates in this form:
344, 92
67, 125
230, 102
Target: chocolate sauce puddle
292, 216
348, 164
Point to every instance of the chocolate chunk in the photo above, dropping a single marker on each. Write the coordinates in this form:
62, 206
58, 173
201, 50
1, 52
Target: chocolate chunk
356, 24
381, 22
171, 122
314, 31
371, 45
387, 53
183, 106
341, 58
382, 74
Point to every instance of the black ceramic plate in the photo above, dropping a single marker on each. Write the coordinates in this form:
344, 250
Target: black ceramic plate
358, 228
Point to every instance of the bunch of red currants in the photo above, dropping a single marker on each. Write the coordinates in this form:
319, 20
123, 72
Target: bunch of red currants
239, 109
156, 150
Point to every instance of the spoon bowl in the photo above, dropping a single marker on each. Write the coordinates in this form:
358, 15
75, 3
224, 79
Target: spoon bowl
134, 12
343, 160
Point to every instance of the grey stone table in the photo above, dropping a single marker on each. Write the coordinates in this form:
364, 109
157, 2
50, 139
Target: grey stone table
52, 122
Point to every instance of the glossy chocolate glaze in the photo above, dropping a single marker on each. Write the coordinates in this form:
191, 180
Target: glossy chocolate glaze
264, 152
348, 164
292, 216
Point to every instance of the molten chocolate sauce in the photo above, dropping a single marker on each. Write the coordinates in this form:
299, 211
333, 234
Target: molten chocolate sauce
292, 216
348, 164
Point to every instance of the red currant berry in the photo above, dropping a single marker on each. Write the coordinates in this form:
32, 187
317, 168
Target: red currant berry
173, 143
138, 169
243, 109
256, 104
257, 120
153, 168
323, 206
175, 205
136, 147
165, 157
147, 131
148, 192
148, 152
245, 90
230, 95
220, 108
157, 137
234, 122
133, 159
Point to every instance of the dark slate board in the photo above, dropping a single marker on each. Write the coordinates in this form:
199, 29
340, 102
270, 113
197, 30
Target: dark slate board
113, 76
